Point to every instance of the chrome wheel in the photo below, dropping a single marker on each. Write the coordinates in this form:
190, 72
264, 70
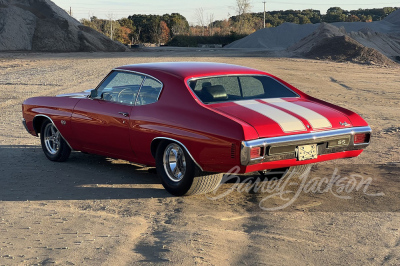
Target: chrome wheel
51, 138
174, 162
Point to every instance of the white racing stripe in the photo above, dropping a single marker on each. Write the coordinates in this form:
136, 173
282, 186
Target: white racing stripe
287, 122
316, 120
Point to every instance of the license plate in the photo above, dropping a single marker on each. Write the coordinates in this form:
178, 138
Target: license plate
307, 152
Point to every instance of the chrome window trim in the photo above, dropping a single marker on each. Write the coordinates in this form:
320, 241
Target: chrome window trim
292, 139
182, 146
239, 75
51, 120
140, 88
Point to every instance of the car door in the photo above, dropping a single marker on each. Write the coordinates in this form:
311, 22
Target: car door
101, 123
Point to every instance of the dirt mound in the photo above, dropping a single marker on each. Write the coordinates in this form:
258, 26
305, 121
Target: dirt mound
278, 38
322, 32
297, 40
330, 42
386, 43
40, 25
344, 48
394, 17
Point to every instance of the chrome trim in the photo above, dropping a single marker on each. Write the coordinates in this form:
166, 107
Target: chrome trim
182, 146
175, 163
238, 75
140, 88
26, 127
293, 139
51, 120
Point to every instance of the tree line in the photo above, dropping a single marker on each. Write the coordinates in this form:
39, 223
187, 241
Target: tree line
160, 29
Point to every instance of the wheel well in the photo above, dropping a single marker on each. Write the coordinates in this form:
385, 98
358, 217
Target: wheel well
38, 122
154, 146
156, 142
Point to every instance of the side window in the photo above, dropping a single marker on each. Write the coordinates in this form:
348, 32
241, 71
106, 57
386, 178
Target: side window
149, 92
251, 87
120, 87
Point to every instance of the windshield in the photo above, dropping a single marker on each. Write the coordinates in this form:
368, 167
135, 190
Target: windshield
236, 88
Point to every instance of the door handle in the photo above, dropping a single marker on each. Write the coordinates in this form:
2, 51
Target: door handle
124, 114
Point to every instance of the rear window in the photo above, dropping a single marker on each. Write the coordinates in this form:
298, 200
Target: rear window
236, 88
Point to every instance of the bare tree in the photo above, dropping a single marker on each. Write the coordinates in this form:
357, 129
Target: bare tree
242, 8
200, 18
110, 17
136, 35
211, 20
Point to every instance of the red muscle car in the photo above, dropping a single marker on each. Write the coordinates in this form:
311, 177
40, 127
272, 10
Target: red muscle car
194, 121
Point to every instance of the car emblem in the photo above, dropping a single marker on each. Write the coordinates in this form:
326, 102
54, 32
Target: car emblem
344, 124
63, 122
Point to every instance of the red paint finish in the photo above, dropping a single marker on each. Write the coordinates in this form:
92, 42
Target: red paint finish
209, 132
99, 127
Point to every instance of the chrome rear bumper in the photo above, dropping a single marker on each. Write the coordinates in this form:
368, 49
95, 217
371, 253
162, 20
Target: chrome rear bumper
282, 148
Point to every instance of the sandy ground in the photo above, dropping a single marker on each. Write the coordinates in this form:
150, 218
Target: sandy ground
98, 211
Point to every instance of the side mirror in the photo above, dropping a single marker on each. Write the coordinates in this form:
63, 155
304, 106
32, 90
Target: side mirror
93, 94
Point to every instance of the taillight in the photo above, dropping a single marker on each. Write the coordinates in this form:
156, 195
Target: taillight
361, 138
255, 152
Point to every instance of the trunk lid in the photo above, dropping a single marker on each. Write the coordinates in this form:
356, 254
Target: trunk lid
285, 116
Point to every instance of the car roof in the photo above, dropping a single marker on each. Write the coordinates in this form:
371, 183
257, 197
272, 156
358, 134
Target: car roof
189, 69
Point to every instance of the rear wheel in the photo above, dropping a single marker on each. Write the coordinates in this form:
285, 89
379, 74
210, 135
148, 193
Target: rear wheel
179, 174
54, 146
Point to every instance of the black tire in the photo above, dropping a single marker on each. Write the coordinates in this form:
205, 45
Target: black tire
53, 144
179, 174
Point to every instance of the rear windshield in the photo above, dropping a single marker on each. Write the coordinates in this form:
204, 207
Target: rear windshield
236, 88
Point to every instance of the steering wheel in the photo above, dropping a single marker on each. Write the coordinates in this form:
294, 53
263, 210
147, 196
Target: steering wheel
120, 95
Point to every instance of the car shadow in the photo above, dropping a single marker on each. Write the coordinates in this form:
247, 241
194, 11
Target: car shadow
27, 174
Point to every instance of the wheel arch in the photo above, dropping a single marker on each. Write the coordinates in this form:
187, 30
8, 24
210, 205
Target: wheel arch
156, 142
38, 121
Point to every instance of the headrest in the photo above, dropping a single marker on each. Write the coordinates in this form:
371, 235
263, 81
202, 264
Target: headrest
214, 93
206, 84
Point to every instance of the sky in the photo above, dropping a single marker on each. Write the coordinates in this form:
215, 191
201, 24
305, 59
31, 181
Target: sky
221, 9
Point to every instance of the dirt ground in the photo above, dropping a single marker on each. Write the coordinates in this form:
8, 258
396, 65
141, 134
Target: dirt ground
99, 211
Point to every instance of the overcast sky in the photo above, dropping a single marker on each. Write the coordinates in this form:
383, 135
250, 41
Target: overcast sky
221, 9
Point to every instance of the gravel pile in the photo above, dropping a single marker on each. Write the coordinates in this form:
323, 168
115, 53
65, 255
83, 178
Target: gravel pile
40, 25
382, 38
343, 48
277, 38
330, 42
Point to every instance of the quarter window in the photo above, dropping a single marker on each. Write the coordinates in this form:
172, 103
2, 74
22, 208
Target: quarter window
149, 92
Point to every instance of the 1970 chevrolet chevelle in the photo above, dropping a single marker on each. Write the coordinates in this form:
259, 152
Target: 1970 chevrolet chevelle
194, 121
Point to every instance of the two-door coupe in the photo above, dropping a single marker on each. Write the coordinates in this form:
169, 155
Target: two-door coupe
194, 121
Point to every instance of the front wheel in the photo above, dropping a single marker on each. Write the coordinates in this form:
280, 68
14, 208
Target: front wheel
54, 146
179, 174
